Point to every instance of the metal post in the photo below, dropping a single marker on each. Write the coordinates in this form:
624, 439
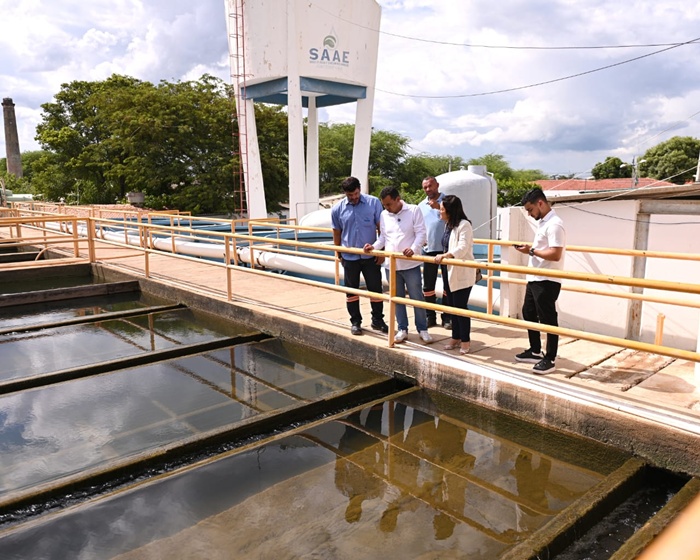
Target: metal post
392, 305
658, 339
489, 282
227, 252
91, 239
76, 248
641, 242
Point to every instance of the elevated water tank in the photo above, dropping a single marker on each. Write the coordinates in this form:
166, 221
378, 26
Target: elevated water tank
477, 190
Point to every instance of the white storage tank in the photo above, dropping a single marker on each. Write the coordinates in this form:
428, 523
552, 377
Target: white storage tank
477, 190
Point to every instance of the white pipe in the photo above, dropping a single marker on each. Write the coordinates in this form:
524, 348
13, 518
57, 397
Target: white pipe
306, 266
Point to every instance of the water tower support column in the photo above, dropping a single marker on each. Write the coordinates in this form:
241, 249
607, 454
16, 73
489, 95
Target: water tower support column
363, 137
295, 119
312, 159
257, 207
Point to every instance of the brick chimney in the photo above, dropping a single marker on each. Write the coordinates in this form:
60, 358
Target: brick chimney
14, 160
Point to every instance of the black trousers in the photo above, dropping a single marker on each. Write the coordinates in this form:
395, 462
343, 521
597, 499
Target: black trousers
540, 306
461, 326
430, 272
372, 274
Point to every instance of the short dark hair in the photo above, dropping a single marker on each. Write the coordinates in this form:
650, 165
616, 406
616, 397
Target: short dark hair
532, 196
351, 184
391, 192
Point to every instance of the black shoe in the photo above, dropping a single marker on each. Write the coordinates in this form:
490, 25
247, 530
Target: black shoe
545, 365
447, 325
383, 327
356, 329
432, 321
529, 357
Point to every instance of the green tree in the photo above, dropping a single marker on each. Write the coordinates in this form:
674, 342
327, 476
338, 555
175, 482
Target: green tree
75, 133
172, 141
335, 155
496, 164
386, 155
510, 191
611, 168
416, 167
529, 175
674, 160
273, 139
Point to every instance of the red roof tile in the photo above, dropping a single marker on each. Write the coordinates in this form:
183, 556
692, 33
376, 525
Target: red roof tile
598, 185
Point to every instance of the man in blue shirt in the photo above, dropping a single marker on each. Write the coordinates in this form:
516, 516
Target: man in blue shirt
355, 222
435, 229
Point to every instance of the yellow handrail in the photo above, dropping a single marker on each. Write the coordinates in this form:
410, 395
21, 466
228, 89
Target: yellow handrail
231, 241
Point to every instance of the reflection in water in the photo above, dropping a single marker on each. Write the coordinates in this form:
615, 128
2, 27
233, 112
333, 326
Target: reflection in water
429, 460
398, 480
47, 312
351, 479
48, 350
59, 430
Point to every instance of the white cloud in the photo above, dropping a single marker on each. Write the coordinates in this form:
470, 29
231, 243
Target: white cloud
623, 110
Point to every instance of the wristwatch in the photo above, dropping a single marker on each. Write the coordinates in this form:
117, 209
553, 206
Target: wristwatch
532, 252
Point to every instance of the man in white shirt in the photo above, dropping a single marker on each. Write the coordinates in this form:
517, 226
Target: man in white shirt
402, 230
546, 252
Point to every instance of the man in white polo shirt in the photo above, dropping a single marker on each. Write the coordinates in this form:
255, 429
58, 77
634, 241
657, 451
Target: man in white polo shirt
546, 252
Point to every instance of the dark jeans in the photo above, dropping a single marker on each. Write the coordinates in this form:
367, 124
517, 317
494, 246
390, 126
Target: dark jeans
430, 272
372, 274
461, 326
540, 306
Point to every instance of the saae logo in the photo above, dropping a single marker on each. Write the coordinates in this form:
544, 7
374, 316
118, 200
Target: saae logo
329, 54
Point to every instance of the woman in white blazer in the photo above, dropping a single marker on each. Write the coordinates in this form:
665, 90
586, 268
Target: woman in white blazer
457, 281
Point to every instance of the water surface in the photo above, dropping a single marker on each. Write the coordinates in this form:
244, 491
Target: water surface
403, 479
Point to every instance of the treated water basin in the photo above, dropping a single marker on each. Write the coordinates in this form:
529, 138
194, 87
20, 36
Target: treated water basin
45, 283
423, 476
55, 311
52, 349
67, 428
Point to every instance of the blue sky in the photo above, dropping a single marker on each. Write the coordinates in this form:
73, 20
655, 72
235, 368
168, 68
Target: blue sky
431, 87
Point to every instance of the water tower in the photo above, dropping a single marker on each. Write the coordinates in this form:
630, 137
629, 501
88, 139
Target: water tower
305, 55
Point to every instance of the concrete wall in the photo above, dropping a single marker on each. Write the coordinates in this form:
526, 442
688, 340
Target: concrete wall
678, 234
612, 224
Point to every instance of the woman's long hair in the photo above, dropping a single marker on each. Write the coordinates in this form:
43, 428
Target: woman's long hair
454, 210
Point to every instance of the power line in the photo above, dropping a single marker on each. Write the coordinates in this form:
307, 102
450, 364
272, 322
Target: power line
481, 46
673, 126
463, 95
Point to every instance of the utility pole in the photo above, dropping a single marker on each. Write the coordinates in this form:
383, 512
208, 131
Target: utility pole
14, 159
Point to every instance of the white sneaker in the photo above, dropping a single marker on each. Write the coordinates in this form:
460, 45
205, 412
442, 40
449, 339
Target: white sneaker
425, 337
401, 336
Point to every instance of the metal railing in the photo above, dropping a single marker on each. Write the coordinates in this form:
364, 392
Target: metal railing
231, 243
